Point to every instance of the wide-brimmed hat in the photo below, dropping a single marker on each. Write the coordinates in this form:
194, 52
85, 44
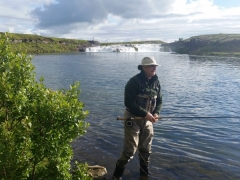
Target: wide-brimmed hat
147, 61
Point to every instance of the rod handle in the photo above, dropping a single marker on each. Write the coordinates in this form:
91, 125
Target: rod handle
134, 118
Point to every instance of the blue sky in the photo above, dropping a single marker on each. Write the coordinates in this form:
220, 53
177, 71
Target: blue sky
227, 3
125, 20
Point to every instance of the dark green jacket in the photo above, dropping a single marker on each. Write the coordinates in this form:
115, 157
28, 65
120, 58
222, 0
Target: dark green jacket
133, 88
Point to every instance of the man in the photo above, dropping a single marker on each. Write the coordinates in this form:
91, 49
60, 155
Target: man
142, 98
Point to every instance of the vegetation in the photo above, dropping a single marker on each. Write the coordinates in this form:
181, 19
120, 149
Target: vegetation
36, 123
38, 44
215, 44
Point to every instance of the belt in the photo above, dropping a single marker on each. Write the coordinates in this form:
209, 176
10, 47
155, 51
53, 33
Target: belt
130, 111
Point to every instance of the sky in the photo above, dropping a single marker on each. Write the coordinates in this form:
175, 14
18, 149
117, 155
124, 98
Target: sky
120, 20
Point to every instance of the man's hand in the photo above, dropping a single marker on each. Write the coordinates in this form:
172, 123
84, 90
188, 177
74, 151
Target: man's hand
156, 117
151, 118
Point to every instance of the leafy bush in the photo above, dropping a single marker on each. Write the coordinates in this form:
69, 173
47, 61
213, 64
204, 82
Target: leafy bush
36, 123
80, 172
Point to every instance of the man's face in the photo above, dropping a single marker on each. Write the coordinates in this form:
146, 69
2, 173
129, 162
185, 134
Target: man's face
149, 70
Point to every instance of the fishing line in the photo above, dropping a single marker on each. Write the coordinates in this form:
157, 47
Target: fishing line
199, 117
182, 117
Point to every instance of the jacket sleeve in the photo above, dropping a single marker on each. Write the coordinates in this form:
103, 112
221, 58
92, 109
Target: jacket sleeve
131, 90
158, 108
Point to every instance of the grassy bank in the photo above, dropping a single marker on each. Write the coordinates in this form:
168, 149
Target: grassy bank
39, 44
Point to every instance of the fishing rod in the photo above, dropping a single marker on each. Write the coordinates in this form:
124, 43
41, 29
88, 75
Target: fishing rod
180, 117
129, 121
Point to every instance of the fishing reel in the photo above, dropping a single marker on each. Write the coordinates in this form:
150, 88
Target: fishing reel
129, 122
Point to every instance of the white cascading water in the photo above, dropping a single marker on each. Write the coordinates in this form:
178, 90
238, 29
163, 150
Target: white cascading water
127, 48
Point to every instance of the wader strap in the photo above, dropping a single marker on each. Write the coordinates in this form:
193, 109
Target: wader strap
146, 96
146, 102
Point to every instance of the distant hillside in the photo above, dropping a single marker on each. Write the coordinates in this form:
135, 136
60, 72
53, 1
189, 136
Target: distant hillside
39, 44
215, 44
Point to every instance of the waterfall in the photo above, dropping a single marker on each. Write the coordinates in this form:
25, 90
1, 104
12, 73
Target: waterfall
127, 48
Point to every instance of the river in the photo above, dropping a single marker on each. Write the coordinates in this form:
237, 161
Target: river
192, 86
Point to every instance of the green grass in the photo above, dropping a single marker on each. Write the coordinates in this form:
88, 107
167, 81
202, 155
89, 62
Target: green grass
39, 44
213, 44
217, 37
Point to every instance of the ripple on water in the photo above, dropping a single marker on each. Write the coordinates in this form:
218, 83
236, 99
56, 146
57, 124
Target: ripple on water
182, 148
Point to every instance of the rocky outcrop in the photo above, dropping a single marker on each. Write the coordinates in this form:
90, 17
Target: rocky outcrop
94, 43
97, 172
222, 44
82, 47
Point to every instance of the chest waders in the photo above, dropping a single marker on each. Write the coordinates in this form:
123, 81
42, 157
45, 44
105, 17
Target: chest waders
147, 102
138, 134
146, 99
147, 95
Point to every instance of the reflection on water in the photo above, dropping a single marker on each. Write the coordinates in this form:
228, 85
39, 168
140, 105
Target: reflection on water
183, 148
215, 61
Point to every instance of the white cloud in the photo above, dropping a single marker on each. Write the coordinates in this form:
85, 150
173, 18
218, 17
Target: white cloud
114, 20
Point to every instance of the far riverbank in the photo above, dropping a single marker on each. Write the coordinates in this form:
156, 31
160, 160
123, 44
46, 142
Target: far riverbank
227, 45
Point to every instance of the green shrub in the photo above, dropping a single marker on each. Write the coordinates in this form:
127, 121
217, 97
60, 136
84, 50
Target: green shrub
37, 124
80, 172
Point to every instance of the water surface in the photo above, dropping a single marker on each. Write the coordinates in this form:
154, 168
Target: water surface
183, 148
